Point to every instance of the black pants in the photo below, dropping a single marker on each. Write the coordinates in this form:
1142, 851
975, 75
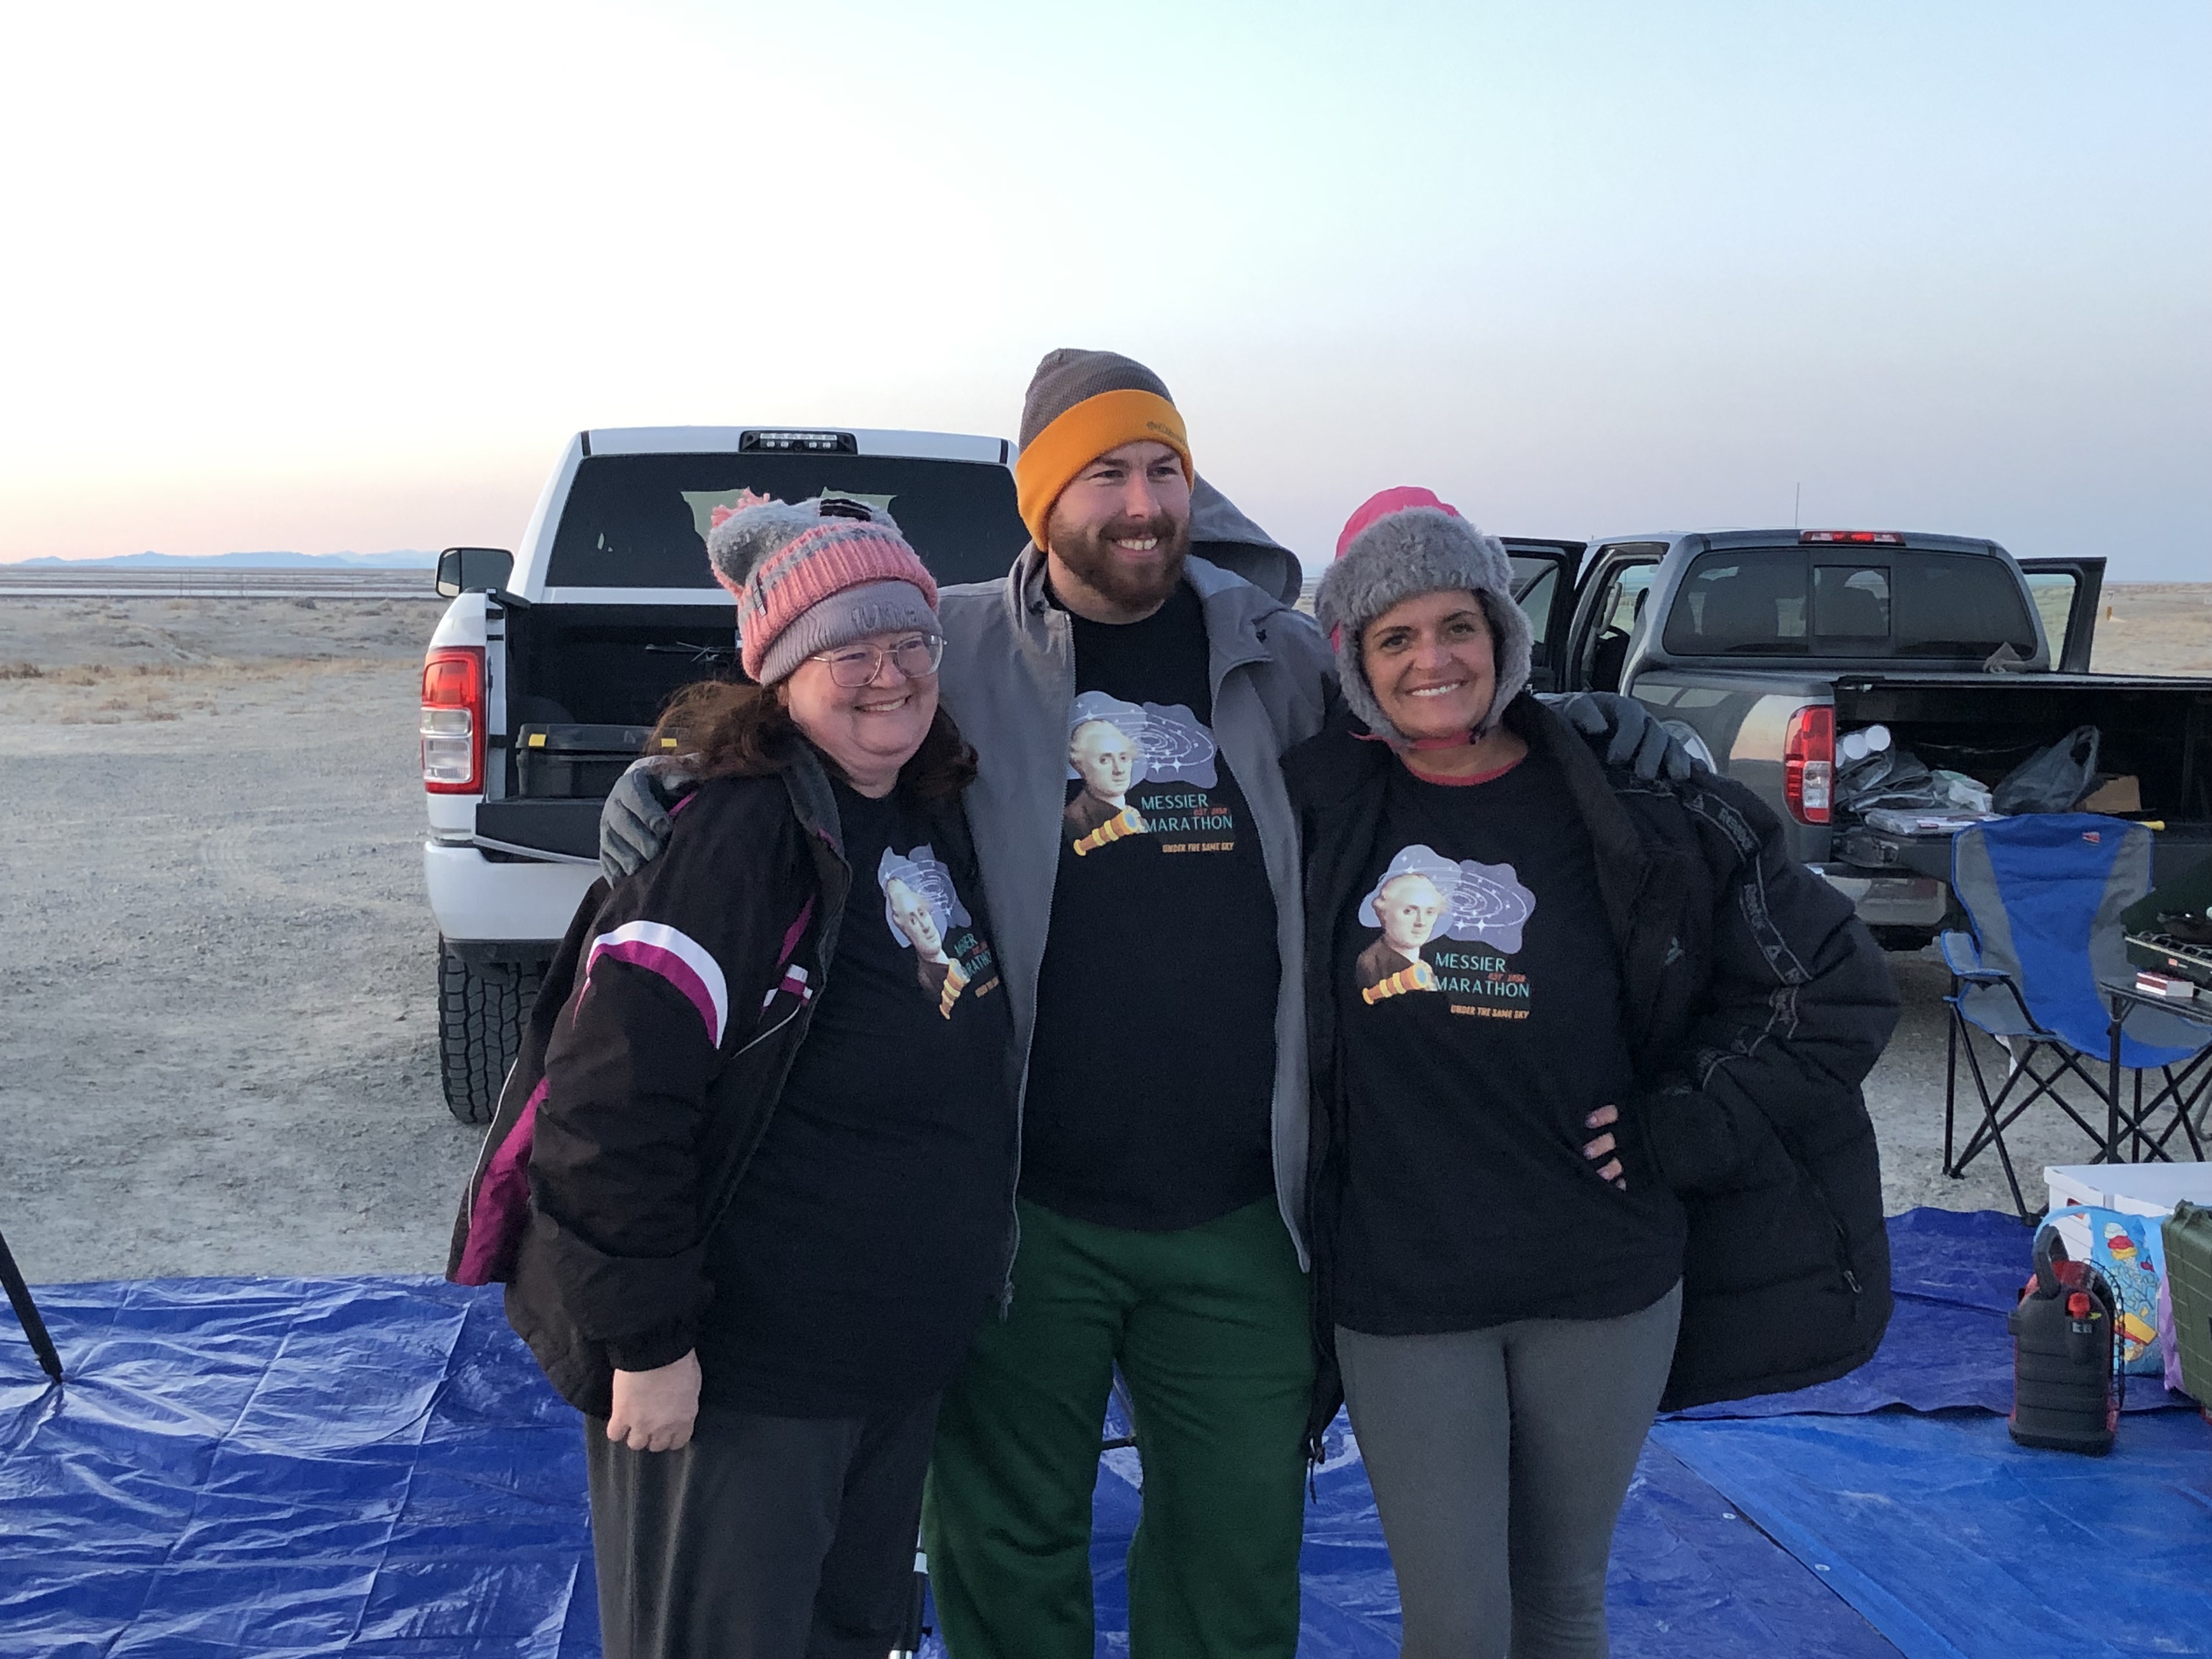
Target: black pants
765, 1537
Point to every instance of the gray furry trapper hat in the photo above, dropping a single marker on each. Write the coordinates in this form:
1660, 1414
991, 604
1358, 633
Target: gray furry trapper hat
1399, 545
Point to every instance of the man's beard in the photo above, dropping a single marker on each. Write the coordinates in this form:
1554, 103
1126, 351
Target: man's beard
1092, 558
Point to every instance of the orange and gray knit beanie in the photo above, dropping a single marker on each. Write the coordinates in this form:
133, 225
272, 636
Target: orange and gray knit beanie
810, 576
1080, 404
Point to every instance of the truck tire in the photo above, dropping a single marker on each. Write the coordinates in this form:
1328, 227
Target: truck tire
481, 1011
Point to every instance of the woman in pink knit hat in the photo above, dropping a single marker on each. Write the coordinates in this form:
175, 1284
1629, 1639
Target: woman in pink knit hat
767, 1126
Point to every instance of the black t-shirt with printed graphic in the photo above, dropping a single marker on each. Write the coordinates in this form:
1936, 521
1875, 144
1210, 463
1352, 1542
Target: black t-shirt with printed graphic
1481, 994
1153, 1065
866, 1241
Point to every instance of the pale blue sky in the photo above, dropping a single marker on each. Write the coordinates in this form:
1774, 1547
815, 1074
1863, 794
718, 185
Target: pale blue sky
324, 277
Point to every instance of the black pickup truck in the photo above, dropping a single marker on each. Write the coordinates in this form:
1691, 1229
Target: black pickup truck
1762, 648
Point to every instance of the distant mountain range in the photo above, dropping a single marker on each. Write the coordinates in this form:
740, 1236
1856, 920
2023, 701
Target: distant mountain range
403, 559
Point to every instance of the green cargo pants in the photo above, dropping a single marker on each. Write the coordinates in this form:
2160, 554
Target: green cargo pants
1209, 1326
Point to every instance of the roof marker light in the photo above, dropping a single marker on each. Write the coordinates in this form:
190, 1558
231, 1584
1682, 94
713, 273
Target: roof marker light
798, 443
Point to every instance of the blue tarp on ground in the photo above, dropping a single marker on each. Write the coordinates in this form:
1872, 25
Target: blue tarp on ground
1957, 1544
373, 1466
288, 1466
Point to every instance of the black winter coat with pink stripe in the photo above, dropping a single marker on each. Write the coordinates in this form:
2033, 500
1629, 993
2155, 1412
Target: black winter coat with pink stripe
670, 1018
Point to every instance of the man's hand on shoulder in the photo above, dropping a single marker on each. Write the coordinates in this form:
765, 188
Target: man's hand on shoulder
635, 824
1625, 734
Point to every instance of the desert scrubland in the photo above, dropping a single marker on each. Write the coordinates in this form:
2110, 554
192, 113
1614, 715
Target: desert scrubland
217, 1017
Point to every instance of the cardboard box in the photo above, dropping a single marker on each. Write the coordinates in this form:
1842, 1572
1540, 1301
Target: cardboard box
2119, 796
2151, 1189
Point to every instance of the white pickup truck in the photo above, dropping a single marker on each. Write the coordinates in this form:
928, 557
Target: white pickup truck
545, 678
551, 666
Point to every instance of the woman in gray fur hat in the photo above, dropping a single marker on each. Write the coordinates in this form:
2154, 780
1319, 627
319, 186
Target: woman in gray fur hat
1587, 1130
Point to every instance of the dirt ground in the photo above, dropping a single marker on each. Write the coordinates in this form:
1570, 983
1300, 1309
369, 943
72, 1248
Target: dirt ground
2154, 627
218, 1023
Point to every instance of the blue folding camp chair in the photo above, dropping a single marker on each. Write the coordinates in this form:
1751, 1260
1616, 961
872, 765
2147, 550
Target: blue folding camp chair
2045, 893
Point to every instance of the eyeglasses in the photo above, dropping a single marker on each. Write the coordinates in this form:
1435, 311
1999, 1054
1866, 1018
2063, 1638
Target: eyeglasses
916, 657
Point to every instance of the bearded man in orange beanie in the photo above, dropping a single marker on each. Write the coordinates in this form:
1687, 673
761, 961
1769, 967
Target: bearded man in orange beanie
1154, 981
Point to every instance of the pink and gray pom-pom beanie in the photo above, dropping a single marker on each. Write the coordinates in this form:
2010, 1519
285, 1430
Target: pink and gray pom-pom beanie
810, 576
1399, 545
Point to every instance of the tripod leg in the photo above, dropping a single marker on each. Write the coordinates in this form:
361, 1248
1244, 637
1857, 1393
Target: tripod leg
19, 1298
910, 1639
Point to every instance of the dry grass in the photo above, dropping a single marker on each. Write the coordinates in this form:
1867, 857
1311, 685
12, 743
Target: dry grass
113, 694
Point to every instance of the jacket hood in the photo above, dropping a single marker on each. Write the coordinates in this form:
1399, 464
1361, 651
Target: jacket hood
1222, 534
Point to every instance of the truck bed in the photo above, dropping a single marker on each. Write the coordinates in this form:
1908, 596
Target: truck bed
577, 672
2155, 729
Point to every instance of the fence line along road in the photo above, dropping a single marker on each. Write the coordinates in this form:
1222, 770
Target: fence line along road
163, 582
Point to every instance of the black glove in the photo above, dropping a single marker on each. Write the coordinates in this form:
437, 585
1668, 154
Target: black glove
635, 824
1625, 734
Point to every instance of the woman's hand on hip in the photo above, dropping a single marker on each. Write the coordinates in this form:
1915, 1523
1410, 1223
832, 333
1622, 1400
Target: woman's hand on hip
1604, 1146
653, 1410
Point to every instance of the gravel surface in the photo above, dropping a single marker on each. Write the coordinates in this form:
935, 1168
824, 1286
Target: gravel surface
217, 1053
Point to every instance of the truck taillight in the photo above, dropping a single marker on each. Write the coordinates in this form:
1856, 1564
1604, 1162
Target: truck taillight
1808, 761
453, 719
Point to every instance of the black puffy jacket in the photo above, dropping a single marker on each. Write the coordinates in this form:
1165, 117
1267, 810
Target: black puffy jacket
1759, 1004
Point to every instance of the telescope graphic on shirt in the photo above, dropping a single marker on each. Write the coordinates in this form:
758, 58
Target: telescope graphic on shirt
1114, 746
1424, 896
1413, 975
921, 908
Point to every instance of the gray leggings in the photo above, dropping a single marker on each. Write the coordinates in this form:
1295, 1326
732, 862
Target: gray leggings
1499, 1460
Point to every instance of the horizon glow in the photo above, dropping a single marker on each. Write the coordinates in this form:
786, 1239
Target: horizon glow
316, 278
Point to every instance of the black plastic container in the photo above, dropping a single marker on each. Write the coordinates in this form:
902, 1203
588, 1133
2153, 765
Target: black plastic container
2067, 1382
567, 762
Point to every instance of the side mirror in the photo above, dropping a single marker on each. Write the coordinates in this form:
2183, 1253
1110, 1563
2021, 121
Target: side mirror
473, 570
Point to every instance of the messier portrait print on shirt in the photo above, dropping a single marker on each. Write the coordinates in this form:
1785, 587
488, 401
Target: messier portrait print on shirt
923, 911
1143, 769
1426, 906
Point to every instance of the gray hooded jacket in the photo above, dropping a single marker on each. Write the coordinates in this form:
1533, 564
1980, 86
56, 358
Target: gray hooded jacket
1008, 678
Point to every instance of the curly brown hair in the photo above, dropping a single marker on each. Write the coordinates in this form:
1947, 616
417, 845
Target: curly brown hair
735, 729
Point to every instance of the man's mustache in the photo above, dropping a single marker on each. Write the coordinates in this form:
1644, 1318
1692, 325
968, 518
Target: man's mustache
1158, 525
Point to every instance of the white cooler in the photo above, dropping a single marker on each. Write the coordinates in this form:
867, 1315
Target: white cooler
2130, 1188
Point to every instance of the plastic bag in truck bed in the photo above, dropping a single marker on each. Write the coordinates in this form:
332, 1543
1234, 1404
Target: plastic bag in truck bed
2052, 780
1892, 783
1886, 777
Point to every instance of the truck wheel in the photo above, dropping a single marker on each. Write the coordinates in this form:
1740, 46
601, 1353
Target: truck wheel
481, 1011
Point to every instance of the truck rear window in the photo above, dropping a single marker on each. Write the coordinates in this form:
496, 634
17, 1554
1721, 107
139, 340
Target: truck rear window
641, 520
1793, 602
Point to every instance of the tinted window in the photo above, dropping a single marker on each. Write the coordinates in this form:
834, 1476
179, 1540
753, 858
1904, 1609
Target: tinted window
1753, 602
1536, 583
1741, 603
1954, 604
1624, 600
2054, 591
641, 520
1613, 623
1850, 602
